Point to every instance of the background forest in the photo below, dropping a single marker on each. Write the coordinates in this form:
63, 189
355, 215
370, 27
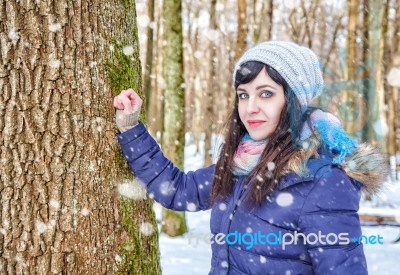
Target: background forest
357, 42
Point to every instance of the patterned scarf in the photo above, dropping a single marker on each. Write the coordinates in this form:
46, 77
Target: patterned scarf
328, 127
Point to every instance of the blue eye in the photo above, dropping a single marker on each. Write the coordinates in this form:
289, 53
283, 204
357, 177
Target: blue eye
243, 96
266, 94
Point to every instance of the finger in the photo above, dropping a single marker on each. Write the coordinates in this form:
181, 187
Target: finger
127, 105
117, 103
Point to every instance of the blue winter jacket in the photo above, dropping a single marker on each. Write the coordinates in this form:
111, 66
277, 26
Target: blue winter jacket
262, 240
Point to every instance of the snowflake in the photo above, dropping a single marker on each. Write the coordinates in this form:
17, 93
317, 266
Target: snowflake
13, 36
41, 227
222, 206
54, 203
146, 229
85, 212
191, 207
284, 199
128, 50
55, 27
55, 64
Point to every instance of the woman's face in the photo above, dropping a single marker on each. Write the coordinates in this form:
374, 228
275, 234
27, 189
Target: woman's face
261, 102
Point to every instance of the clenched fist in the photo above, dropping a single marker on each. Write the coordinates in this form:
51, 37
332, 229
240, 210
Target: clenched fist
128, 104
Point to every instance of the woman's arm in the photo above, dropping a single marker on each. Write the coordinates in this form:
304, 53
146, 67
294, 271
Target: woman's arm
164, 182
330, 212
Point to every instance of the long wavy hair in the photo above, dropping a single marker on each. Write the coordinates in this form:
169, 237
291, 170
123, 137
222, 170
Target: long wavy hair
280, 148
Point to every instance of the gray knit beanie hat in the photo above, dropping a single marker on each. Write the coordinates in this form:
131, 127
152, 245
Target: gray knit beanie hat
298, 65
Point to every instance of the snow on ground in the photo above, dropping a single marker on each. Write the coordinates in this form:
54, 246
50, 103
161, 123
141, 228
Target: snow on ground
191, 254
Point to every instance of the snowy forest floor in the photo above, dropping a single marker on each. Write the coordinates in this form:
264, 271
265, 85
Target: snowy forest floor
191, 254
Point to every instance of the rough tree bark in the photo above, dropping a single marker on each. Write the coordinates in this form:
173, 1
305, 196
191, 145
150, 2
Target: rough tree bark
173, 142
61, 64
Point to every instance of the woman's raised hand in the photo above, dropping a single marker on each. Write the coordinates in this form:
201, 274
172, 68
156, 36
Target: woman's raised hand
128, 101
128, 104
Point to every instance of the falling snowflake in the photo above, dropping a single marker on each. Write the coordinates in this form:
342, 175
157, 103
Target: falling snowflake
245, 71
85, 212
55, 27
118, 258
263, 260
132, 190
54, 203
284, 199
222, 206
249, 230
143, 20
55, 64
146, 228
198, 54
393, 77
13, 36
271, 166
41, 227
166, 188
224, 264
128, 50
191, 207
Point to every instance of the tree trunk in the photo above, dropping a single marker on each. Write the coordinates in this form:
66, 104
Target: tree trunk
241, 30
60, 163
393, 97
174, 101
367, 80
156, 100
149, 56
213, 87
377, 126
262, 21
349, 99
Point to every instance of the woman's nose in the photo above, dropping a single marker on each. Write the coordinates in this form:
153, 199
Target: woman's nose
252, 105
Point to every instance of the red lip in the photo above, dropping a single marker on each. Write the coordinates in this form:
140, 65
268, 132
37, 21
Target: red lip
255, 123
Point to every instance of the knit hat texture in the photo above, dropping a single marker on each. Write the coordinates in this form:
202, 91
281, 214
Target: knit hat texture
298, 65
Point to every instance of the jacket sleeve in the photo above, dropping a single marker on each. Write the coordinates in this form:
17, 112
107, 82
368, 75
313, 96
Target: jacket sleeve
330, 210
163, 181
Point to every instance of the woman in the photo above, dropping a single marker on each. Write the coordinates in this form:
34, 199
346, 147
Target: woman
286, 188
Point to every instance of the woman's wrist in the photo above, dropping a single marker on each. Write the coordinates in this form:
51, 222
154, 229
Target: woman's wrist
126, 121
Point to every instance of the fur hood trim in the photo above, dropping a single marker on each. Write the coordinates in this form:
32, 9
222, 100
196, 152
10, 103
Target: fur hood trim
365, 165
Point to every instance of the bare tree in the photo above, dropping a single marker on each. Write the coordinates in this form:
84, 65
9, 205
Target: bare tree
173, 141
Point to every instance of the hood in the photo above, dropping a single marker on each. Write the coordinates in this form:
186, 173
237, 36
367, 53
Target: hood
365, 165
